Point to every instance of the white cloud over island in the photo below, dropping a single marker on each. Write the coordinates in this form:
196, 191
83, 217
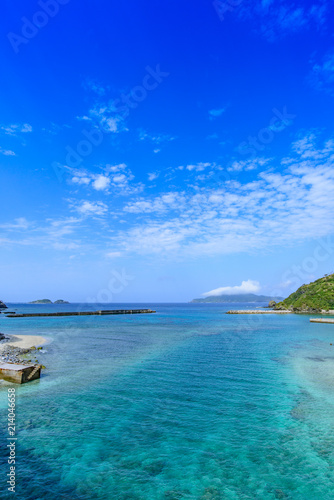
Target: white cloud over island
248, 286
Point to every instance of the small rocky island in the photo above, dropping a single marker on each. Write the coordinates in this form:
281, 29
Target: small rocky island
48, 301
316, 297
3, 305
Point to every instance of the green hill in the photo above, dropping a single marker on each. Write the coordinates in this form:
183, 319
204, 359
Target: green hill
315, 297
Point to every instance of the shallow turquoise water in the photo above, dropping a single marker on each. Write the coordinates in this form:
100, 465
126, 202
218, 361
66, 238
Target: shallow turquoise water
188, 403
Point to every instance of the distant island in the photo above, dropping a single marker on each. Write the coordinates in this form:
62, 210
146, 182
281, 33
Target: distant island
316, 297
48, 301
244, 297
3, 305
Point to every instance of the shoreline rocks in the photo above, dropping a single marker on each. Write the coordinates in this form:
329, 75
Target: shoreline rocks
12, 354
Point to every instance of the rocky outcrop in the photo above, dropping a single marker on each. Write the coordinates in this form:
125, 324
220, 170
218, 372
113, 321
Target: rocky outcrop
3, 305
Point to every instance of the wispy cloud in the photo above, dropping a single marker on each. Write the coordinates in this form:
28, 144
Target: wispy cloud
155, 138
106, 118
15, 129
52, 234
248, 286
164, 203
278, 18
113, 255
322, 74
276, 208
90, 208
198, 167
152, 176
7, 152
246, 165
215, 113
19, 223
93, 85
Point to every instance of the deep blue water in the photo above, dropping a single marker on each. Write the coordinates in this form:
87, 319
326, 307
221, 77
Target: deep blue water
187, 403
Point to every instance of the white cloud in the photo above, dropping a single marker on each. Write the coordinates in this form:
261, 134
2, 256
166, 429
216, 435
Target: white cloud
116, 168
152, 176
253, 164
199, 167
113, 255
119, 178
84, 118
81, 180
215, 113
101, 183
88, 208
115, 178
108, 120
168, 201
26, 128
248, 286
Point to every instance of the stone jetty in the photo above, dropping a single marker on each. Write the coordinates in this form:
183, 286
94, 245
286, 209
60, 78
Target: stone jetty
83, 313
322, 320
258, 311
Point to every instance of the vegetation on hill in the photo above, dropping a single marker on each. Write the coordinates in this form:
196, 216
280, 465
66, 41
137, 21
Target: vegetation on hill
315, 297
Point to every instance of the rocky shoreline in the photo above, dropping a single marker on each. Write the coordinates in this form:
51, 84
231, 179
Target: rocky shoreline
16, 355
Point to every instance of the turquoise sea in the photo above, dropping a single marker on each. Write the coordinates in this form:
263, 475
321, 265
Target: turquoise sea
188, 403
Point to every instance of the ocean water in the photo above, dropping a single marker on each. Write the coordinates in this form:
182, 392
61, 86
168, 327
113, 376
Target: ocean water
188, 403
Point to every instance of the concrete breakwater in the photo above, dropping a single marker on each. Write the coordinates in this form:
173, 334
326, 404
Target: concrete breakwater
257, 311
83, 313
322, 320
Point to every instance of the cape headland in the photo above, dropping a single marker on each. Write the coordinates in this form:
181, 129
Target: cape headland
242, 297
316, 297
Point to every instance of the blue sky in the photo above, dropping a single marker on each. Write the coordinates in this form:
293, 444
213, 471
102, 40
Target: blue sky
158, 151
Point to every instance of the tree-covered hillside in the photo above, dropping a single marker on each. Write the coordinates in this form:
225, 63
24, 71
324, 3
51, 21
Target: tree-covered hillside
316, 296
